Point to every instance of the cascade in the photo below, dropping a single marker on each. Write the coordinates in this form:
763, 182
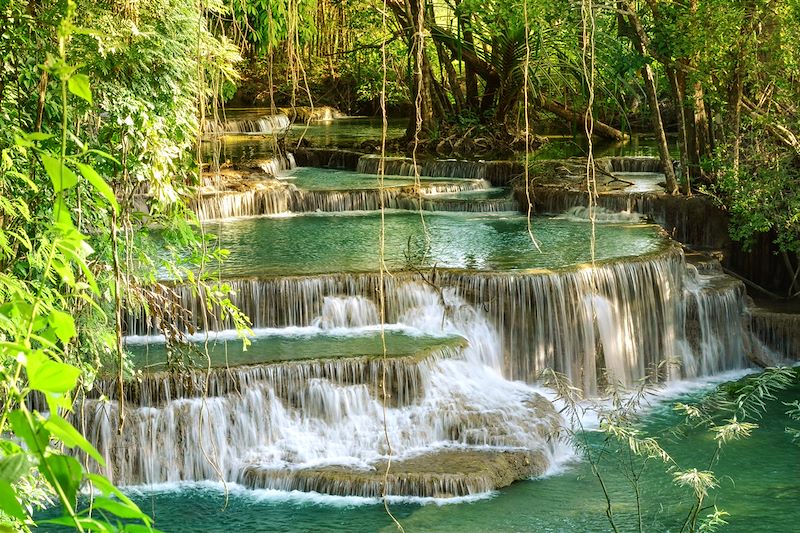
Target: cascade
716, 322
639, 313
462, 412
264, 125
779, 332
302, 424
261, 199
403, 166
498, 173
276, 197
677, 215
631, 164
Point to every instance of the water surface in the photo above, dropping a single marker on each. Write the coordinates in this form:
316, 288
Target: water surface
349, 242
759, 487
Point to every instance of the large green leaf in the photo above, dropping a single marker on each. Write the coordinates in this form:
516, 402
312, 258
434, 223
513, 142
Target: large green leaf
63, 430
47, 375
63, 471
104, 486
35, 437
118, 508
87, 523
79, 86
63, 325
9, 503
99, 184
60, 181
14, 466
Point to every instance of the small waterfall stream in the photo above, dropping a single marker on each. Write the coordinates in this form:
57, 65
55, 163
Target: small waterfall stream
264, 125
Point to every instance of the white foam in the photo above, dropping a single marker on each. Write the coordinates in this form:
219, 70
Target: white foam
259, 495
297, 331
601, 215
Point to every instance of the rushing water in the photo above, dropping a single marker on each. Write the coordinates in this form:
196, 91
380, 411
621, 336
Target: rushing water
310, 244
474, 312
758, 486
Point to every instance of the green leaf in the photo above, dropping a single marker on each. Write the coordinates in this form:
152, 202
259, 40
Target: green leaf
9, 503
36, 438
79, 86
88, 524
138, 528
63, 430
104, 155
63, 471
38, 136
99, 184
106, 487
53, 168
47, 375
63, 325
120, 509
13, 467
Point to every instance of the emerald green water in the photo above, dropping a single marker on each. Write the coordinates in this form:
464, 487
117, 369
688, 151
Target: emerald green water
328, 243
348, 132
563, 146
292, 344
345, 133
759, 487
318, 179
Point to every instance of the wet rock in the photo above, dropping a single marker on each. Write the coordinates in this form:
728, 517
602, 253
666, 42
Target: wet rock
443, 474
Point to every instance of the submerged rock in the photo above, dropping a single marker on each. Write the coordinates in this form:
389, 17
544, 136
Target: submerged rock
447, 473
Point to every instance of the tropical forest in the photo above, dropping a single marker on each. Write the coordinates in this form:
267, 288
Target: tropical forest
400, 265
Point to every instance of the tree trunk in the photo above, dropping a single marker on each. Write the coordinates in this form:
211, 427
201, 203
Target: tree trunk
470, 78
677, 88
635, 31
658, 129
701, 126
578, 117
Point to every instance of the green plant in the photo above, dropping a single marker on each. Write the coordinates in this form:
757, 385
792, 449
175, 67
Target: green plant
37, 329
728, 414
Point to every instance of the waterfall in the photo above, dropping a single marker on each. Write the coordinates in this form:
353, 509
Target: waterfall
630, 164
300, 425
260, 200
403, 166
601, 215
271, 198
778, 332
496, 172
264, 125
716, 323
677, 215
346, 312
640, 313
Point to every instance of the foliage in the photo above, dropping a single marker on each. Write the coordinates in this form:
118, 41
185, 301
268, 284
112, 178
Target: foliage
98, 106
730, 413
